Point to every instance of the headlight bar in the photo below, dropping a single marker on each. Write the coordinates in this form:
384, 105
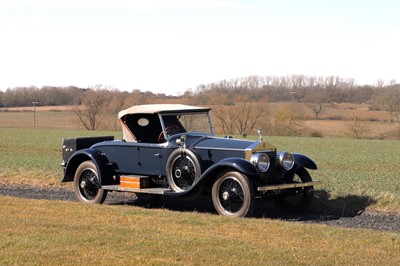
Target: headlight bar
287, 186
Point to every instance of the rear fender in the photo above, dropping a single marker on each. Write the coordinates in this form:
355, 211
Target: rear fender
303, 161
100, 160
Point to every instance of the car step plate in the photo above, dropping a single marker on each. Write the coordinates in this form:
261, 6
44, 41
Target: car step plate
159, 191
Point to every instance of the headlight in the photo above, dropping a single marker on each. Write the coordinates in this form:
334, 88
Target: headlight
286, 160
261, 161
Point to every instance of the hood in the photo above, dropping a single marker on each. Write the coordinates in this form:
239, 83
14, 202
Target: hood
226, 144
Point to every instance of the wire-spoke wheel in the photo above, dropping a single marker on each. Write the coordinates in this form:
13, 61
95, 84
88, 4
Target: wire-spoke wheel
296, 200
233, 195
87, 185
183, 169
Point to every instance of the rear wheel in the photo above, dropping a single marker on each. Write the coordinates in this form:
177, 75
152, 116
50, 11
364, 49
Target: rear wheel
233, 195
87, 184
296, 200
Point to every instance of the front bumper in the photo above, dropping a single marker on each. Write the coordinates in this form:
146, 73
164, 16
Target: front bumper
286, 186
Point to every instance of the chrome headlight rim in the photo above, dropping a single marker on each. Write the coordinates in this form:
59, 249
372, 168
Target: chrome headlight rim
261, 161
286, 160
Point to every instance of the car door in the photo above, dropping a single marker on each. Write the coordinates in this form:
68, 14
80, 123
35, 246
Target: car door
149, 159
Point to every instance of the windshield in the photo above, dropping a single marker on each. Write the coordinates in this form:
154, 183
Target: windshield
188, 122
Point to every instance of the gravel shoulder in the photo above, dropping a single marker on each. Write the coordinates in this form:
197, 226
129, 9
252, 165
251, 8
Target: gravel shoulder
264, 209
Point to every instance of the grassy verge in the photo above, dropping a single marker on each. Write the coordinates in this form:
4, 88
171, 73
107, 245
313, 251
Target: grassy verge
124, 235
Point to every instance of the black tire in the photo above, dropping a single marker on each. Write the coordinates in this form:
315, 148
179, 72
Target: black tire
296, 200
233, 195
183, 169
87, 184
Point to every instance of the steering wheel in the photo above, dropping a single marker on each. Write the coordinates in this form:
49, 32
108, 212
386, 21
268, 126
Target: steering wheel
171, 130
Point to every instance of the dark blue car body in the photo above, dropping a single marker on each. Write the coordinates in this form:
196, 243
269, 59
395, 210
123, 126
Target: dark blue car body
165, 151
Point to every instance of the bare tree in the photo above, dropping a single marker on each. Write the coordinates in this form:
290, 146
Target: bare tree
246, 116
115, 103
240, 118
92, 110
284, 122
356, 128
392, 98
224, 119
316, 101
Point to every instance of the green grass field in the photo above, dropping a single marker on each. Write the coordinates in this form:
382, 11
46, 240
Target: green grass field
356, 174
67, 233
358, 170
366, 168
33, 156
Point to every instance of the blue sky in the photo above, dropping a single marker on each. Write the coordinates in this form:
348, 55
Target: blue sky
170, 46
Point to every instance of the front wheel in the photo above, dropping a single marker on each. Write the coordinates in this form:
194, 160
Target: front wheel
296, 200
233, 195
87, 184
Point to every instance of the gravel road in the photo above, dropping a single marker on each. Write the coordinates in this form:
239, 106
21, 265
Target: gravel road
264, 209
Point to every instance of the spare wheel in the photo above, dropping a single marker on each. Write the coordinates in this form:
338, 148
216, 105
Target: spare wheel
183, 169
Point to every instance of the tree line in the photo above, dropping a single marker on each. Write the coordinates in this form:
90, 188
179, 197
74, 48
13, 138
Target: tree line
57, 96
298, 88
239, 105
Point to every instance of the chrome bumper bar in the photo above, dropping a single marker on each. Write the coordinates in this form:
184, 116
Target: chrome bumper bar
285, 186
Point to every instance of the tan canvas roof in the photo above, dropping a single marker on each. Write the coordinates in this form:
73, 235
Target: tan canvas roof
160, 108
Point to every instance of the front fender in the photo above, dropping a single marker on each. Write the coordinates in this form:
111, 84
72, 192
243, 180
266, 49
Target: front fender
238, 164
303, 161
208, 177
99, 159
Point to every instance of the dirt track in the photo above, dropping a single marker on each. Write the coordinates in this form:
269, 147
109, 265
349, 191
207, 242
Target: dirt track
264, 209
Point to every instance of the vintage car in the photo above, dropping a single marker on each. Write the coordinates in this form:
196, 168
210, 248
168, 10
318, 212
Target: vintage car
171, 150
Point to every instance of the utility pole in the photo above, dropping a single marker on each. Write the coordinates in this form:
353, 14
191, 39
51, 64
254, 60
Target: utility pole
292, 93
383, 106
34, 114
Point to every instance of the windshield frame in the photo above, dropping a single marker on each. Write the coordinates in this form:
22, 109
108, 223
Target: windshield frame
206, 113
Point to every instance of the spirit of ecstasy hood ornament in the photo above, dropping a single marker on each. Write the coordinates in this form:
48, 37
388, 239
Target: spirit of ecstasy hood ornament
260, 137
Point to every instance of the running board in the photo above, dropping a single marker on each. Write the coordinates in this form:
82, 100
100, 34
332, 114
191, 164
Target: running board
159, 191
286, 186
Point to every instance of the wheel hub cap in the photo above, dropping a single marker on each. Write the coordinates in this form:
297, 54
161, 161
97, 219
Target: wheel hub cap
225, 195
83, 184
178, 173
